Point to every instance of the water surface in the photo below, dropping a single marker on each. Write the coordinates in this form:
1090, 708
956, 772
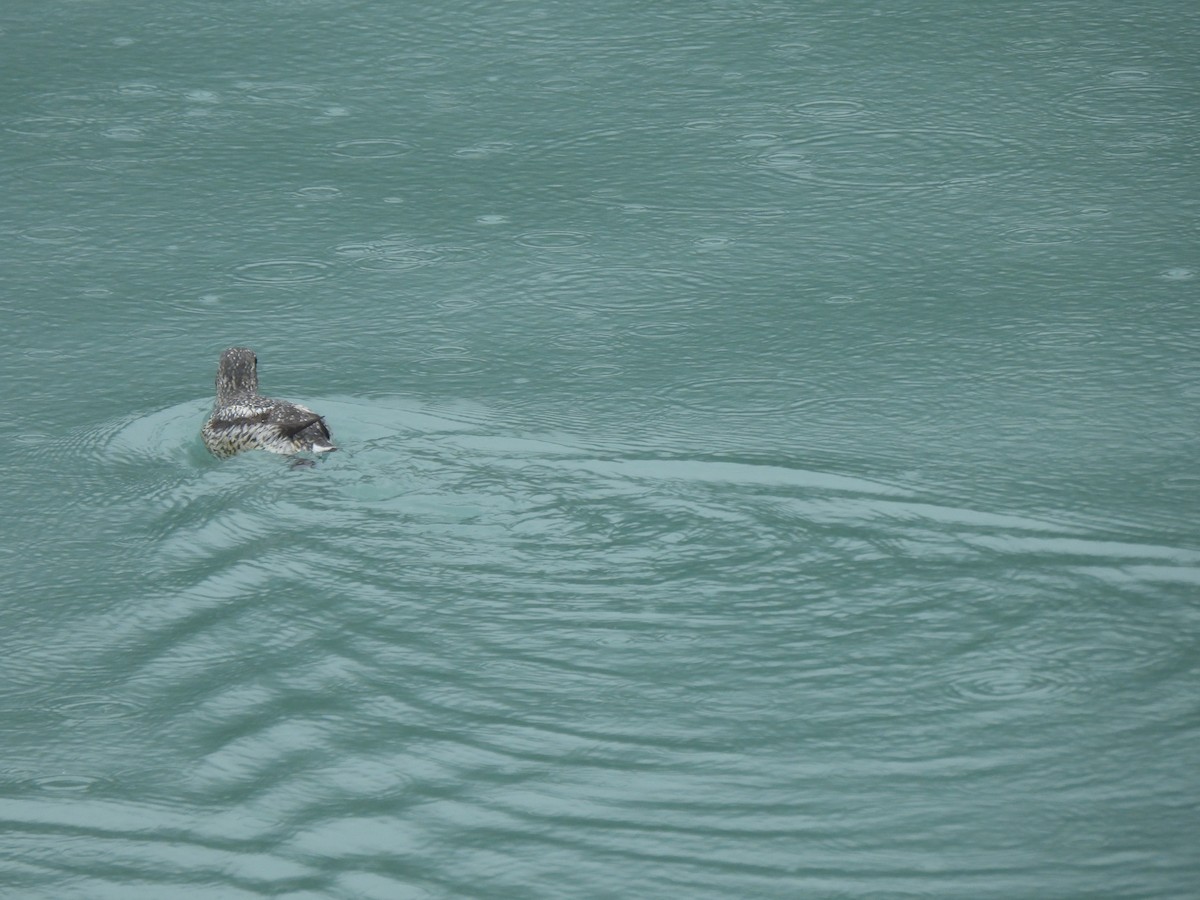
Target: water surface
768, 451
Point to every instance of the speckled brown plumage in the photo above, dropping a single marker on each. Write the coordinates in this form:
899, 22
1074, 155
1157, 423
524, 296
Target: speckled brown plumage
244, 420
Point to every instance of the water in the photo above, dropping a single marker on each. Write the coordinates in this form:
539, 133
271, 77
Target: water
768, 456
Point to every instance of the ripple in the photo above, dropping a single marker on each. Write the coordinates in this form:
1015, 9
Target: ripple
457, 304
1177, 273
747, 397
713, 243
619, 288
658, 330
201, 95
1126, 652
47, 126
899, 158
1015, 678
94, 708
658, 153
447, 366
1134, 102
593, 338
772, 401
125, 133
426, 61
32, 438
196, 300
400, 259
283, 271
1137, 652
759, 139
484, 150
52, 234
458, 254
559, 84
357, 776
167, 433
67, 173
736, 206
282, 92
597, 370
829, 109
1058, 339
139, 89
124, 104
319, 193
372, 148
786, 160
553, 240
68, 783
357, 250
1128, 76
447, 351
1037, 45
1041, 234
792, 50
413, 258
400, 253
1138, 145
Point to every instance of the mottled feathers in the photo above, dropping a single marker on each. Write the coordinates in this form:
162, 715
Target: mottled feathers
244, 420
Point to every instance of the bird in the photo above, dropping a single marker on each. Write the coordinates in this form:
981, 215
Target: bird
242, 419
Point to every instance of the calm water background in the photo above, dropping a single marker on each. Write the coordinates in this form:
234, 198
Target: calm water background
770, 450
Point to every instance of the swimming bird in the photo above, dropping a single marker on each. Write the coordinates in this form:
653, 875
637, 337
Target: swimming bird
244, 420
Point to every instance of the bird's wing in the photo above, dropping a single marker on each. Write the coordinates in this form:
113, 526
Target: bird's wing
293, 419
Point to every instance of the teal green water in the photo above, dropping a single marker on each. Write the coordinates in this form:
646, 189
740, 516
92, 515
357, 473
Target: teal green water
768, 469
